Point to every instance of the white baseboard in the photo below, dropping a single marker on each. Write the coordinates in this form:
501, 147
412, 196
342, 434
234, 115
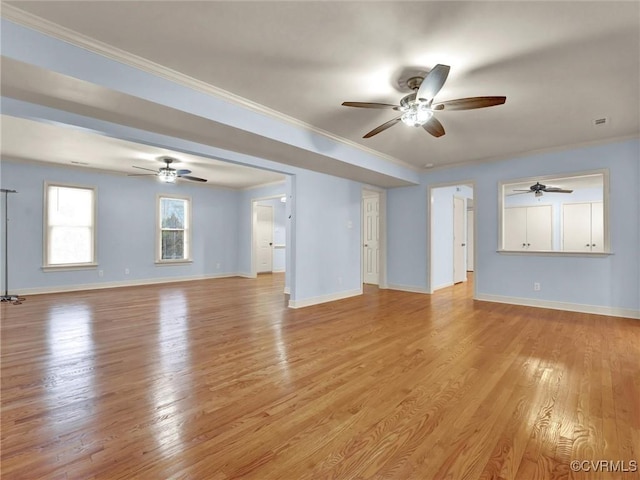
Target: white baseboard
307, 302
246, 275
287, 291
571, 307
280, 270
123, 283
444, 285
405, 288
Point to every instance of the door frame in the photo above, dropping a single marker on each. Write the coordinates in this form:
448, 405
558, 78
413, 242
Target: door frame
430, 253
254, 238
382, 226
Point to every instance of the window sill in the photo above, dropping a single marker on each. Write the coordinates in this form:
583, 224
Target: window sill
163, 263
69, 267
555, 253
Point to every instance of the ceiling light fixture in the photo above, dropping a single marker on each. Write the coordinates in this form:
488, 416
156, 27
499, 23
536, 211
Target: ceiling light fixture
167, 176
416, 113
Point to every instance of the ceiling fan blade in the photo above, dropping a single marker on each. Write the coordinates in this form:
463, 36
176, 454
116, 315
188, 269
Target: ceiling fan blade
183, 172
469, 103
142, 168
434, 127
433, 82
556, 190
370, 105
193, 179
382, 127
141, 174
519, 190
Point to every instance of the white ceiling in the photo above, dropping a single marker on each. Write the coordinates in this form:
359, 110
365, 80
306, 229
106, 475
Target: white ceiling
560, 64
28, 140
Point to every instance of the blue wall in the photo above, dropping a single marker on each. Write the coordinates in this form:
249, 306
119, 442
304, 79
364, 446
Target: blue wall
327, 235
607, 281
126, 213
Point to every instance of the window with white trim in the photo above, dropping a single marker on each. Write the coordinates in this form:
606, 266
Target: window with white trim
174, 229
70, 226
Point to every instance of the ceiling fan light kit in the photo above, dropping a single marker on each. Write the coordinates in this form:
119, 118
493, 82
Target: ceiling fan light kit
418, 108
415, 112
168, 176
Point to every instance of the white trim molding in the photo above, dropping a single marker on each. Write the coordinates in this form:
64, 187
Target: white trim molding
553, 305
405, 288
307, 302
123, 283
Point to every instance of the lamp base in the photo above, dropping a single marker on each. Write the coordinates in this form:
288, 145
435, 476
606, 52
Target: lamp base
12, 299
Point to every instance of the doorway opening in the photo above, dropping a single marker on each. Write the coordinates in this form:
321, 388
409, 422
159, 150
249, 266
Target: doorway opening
269, 234
451, 234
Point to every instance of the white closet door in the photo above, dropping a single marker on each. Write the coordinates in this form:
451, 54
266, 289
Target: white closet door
576, 227
515, 228
371, 234
597, 227
539, 228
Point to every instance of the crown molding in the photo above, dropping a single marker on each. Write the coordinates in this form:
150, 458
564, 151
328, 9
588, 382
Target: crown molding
529, 153
51, 29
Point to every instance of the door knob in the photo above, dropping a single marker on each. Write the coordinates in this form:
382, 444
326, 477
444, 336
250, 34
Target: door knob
463, 244
366, 244
270, 244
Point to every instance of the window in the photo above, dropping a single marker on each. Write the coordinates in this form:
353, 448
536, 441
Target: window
566, 214
174, 230
69, 226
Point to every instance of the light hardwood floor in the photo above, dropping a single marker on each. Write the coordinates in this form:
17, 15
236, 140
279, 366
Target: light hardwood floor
217, 380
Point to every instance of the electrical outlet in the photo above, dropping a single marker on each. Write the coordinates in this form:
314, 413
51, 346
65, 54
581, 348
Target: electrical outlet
126, 271
218, 265
339, 280
536, 286
101, 273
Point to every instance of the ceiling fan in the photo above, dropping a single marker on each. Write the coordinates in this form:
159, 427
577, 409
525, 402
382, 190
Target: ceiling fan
538, 188
417, 109
167, 173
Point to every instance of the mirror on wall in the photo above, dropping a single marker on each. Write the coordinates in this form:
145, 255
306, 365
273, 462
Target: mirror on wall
566, 213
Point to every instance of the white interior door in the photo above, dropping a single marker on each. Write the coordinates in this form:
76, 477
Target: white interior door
371, 239
459, 241
470, 242
264, 238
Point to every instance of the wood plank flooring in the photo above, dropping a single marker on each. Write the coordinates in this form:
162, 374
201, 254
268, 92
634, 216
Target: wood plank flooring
218, 380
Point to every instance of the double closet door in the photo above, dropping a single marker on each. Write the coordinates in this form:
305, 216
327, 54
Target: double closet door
528, 228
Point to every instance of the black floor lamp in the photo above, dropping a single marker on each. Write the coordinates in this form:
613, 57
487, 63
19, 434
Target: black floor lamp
6, 297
